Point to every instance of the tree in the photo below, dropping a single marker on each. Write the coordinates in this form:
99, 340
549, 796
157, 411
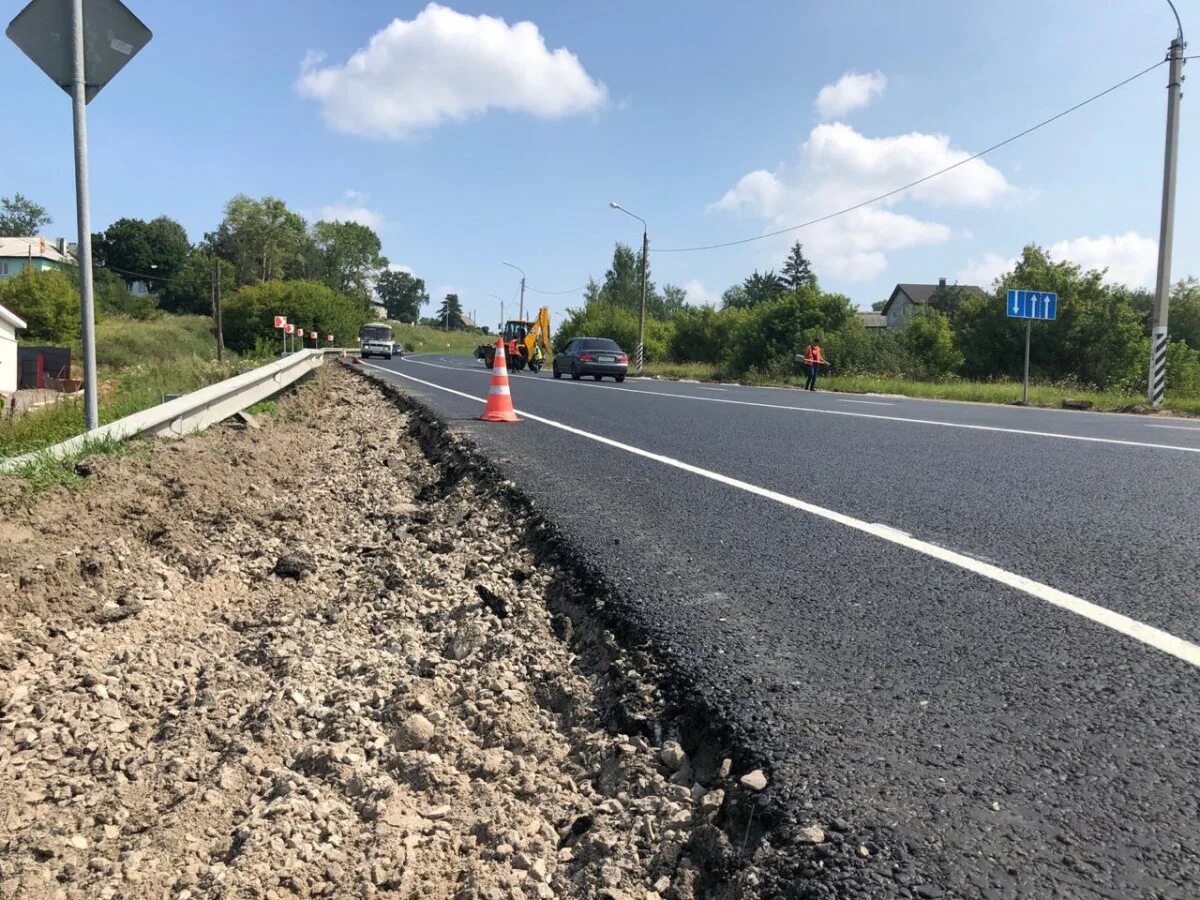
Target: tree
734, 298
879, 305
674, 301
48, 302
248, 321
190, 291
948, 299
21, 217
929, 338
450, 315
263, 239
402, 293
1185, 313
762, 288
797, 271
136, 250
350, 256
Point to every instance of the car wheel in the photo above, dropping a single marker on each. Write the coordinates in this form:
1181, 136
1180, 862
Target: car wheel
575, 376
620, 378
598, 377
557, 374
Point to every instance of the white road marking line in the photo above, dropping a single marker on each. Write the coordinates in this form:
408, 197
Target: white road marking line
870, 402
863, 415
1177, 427
1122, 624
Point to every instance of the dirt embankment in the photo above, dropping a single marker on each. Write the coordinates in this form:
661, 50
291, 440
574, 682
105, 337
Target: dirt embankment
302, 661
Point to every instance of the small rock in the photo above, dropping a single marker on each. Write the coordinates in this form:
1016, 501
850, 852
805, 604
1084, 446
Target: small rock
813, 834
863, 852
755, 780
295, 565
996, 806
414, 733
672, 755
111, 614
112, 831
79, 842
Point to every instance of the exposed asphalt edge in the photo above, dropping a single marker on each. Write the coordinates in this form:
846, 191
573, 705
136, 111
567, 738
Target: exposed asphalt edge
749, 818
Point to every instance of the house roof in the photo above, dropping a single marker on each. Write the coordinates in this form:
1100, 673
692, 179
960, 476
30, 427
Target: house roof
11, 318
872, 319
24, 247
921, 293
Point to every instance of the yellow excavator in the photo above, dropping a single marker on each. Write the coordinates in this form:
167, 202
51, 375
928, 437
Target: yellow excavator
520, 337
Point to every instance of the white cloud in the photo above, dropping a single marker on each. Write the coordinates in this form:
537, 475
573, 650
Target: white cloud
839, 167
699, 295
446, 66
851, 91
352, 208
983, 271
1130, 258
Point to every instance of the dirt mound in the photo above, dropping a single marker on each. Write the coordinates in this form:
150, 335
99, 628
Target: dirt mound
302, 661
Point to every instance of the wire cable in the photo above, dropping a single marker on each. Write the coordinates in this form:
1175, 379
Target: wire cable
556, 293
912, 184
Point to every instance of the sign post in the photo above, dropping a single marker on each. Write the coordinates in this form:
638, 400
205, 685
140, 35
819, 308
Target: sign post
81, 46
1030, 305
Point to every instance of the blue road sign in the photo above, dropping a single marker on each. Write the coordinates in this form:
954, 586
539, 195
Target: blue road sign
1033, 305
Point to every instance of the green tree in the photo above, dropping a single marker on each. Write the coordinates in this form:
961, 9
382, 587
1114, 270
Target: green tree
772, 332
797, 270
450, 314
879, 305
674, 301
758, 288
114, 298
735, 298
402, 294
264, 240
350, 255
191, 290
21, 217
136, 250
248, 320
1184, 319
48, 302
929, 338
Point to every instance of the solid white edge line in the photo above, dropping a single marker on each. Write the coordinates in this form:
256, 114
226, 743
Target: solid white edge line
856, 415
1122, 624
1177, 427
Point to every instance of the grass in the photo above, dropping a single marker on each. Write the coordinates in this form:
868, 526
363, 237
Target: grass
1045, 395
263, 408
128, 343
423, 339
43, 473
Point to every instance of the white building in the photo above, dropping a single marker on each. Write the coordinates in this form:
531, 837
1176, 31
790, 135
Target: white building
10, 324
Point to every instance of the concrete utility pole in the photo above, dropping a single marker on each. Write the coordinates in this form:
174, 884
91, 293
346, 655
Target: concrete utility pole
641, 347
91, 402
522, 271
1166, 235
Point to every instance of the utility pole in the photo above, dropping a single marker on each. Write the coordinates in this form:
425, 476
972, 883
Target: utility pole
91, 405
1162, 295
641, 347
522, 271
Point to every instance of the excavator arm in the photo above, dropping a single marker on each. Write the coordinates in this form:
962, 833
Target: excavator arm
539, 333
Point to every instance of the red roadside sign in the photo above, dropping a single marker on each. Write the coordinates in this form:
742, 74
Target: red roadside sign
280, 321
313, 335
289, 328
329, 337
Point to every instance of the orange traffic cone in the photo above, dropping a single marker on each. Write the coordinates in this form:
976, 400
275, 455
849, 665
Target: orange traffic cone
499, 402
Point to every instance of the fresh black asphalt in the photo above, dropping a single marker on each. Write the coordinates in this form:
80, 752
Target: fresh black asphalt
980, 741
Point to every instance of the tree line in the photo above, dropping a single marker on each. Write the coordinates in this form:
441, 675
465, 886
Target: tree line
1101, 338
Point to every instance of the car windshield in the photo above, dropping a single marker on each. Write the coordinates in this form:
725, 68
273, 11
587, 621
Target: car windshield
377, 333
599, 344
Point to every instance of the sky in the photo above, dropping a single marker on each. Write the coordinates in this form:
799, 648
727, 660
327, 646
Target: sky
477, 133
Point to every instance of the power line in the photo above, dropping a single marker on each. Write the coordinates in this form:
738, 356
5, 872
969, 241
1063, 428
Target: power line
556, 293
912, 184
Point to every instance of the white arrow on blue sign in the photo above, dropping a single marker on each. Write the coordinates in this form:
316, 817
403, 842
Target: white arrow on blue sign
1033, 305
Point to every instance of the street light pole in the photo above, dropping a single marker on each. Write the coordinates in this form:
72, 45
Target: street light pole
91, 407
1157, 381
641, 346
501, 299
522, 271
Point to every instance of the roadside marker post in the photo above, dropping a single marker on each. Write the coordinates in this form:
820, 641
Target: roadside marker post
1030, 305
281, 323
81, 45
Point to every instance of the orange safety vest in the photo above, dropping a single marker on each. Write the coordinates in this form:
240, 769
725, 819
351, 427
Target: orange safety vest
514, 348
813, 355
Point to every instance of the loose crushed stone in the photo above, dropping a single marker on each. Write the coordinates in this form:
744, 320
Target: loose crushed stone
299, 661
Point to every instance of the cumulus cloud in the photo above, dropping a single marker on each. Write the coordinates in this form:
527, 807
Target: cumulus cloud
839, 167
985, 270
352, 208
699, 295
850, 92
1130, 258
446, 66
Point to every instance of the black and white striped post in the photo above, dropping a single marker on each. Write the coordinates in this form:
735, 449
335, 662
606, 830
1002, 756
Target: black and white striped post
1162, 296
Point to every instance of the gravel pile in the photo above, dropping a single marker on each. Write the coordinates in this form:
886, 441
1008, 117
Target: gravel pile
300, 660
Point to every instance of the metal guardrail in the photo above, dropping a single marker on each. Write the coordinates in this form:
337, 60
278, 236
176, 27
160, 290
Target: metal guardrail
191, 412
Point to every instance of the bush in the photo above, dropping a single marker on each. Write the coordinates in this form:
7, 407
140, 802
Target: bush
601, 319
930, 340
166, 340
767, 337
1183, 369
48, 302
249, 313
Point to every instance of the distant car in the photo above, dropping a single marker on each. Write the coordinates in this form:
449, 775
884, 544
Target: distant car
591, 356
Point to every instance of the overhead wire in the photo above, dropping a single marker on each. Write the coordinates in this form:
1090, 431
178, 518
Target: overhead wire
912, 184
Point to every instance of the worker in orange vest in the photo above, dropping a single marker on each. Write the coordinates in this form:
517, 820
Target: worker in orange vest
813, 360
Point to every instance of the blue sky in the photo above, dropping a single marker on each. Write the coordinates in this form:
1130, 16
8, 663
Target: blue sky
469, 141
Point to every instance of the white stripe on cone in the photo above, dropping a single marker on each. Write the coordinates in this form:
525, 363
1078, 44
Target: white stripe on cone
499, 389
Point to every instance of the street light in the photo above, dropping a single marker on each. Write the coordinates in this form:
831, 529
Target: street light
522, 271
641, 346
501, 299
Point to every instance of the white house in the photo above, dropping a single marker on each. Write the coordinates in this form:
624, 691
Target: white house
10, 324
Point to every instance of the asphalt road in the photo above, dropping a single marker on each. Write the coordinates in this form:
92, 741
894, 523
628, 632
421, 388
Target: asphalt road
971, 631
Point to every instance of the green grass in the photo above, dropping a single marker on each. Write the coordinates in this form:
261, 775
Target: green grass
44, 473
263, 408
423, 339
1046, 395
128, 343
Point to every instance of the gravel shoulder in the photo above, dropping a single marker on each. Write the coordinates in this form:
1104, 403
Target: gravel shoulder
305, 660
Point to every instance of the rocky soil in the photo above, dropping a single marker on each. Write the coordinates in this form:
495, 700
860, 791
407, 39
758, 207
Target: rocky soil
302, 660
